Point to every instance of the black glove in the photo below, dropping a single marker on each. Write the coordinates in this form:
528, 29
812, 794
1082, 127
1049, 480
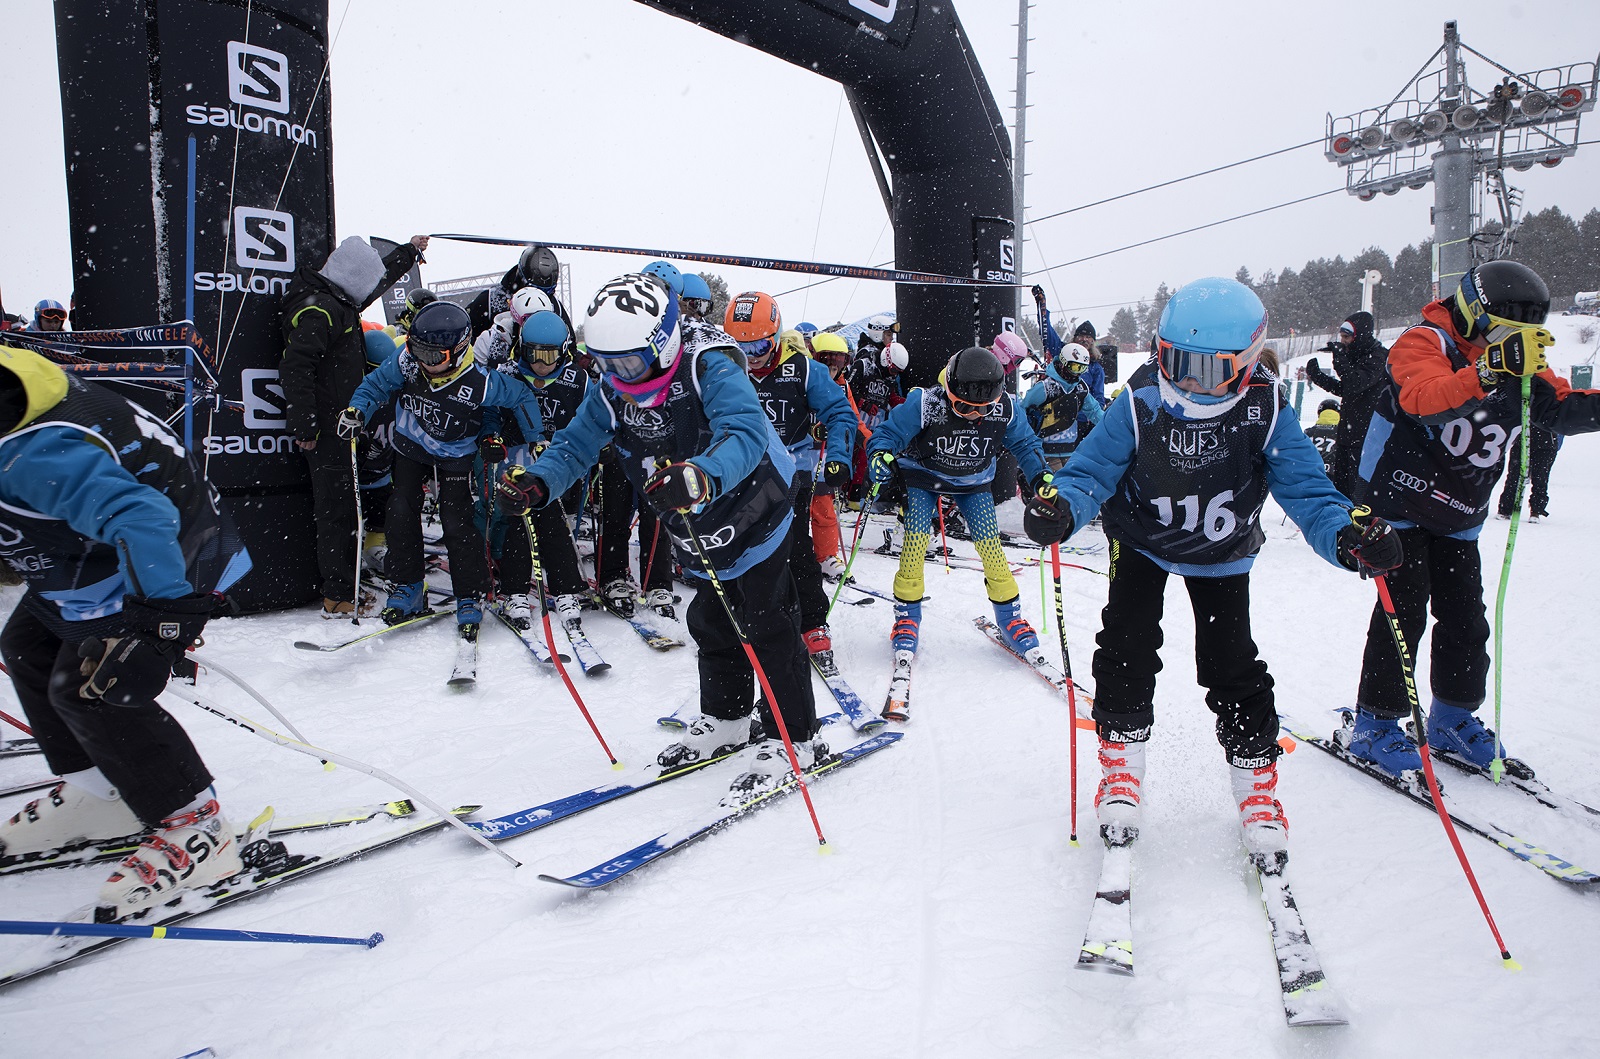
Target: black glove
519, 491
835, 472
132, 669
350, 423
1369, 545
1312, 367
678, 486
1045, 519
492, 447
1037, 292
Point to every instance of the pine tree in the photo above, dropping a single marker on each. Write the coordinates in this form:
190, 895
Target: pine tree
1124, 327
719, 296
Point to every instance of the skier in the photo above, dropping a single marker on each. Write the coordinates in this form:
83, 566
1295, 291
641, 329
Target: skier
696, 299
49, 315
324, 357
834, 355
1183, 461
1324, 434
543, 363
537, 267
692, 436
444, 402
124, 546
797, 394
1359, 361
375, 467
1054, 404
944, 441
1436, 445
495, 347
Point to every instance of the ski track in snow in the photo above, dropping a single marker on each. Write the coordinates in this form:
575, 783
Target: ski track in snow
948, 920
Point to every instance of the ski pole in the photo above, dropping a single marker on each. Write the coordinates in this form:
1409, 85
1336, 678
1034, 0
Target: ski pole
944, 544
12, 721
1044, 607
761, 674
1497, 767
550, 637
238, 681
1072, 694
1426, 752
350, 763
361, 539
855, 546
126, 930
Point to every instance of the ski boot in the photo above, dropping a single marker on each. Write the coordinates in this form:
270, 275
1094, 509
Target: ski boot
1381, 741
1266, 830
375, 551
620, 594
1460, 735
820, 646
190, 850
569, 610
1018, 634
338, 608
469, 616
832, 567
69, 817
705, 737
907, 625
518, 610
405, 602
1118, 801
663, 602
766, 771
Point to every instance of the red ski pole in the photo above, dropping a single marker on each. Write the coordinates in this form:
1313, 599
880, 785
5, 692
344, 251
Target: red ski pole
1406, 670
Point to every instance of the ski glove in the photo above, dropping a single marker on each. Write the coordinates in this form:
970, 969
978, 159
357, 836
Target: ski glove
880, 467
678, 487
1519, 353
1045, 518
835, 473
492, 447
1037, 292
350, 423
1369, 545
519, 491
132, 669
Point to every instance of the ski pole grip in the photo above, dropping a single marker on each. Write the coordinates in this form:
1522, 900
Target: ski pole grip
1361, 516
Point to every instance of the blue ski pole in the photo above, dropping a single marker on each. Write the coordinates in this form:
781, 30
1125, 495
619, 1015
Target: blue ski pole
123, 930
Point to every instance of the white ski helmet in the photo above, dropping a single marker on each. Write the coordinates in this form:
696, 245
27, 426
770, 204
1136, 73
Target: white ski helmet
895, 357
632, 330
880, 329
1074, 359
527, 301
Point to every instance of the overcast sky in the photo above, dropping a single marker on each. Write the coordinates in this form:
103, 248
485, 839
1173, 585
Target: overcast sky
544, 119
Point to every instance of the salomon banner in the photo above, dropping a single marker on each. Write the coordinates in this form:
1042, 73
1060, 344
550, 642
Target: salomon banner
215, 122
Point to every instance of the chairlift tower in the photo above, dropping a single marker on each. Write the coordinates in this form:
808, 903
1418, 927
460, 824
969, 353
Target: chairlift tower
1440, 129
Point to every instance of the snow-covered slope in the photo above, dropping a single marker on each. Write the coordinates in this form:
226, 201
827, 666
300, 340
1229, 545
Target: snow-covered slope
946, 922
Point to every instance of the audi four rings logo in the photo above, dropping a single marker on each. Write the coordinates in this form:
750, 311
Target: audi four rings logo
258, 77
1409, 481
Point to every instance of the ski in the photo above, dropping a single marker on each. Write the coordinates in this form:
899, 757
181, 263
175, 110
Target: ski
1308, 997
1518, 776
1041, 666
675, 718
29, 788
1547, 862
383, 630
116, 849
20, 747
897, 703
512, 825
535, 646
268, 863
465, 672
588, 656
1108, 940
862, 719
652, 636
610, 871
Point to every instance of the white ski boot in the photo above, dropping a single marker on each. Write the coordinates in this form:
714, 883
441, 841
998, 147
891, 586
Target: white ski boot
69, 817
1266, 830
662, 602
190, 850
569, 611
767, 769
621, 594
705, 737
1118, 802
518, 610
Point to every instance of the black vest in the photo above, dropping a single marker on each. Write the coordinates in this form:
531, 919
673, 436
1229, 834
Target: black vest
959, 452
1196, 487
1441, 477
55, 558
748, 513
559, 399
451, 415
783, 396
1058, 416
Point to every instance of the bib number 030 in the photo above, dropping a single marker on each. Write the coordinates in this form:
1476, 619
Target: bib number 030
1218, 521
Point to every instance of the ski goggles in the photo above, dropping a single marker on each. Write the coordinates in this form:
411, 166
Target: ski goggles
430, 355
52, 314
880, 334
1209, 370
760, 349
629, 365
1074, 368
978, 409
546, 355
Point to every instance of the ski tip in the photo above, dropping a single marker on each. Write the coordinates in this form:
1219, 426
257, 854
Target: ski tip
1508, 963
375, 940
596, 669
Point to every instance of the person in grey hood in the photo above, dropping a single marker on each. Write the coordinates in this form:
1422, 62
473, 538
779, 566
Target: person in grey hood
324, 360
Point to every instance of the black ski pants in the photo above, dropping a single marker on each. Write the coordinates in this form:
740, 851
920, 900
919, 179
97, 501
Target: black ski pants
141, 749
1544, 445
764, 598
558, 555
803, 565
1448, 574
333, 500
1228, 665
469, 565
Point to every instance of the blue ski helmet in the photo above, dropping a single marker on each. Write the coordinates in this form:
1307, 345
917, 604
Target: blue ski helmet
381, 346
1211, 331
667, 273
806, 327
695, 287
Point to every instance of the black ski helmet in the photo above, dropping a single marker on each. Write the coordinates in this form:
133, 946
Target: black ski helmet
1330, 405
439, 332
1507, 289
974, 376
539, 267
415, 300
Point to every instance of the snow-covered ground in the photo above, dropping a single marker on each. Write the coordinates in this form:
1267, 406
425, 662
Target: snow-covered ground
947, 920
